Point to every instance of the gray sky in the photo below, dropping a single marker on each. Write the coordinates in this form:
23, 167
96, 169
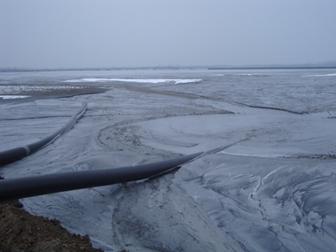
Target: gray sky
83, 33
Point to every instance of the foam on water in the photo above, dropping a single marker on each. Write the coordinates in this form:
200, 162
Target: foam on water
154, 81
8, 97
322, 75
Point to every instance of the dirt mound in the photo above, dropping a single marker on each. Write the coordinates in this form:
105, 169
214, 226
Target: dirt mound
22, 232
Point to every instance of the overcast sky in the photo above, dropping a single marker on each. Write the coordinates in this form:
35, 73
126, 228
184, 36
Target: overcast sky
114, 33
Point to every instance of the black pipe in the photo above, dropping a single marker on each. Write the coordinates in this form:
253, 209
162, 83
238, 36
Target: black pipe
12, 155
38, 185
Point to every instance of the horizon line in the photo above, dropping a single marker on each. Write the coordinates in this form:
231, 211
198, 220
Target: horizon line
208, 67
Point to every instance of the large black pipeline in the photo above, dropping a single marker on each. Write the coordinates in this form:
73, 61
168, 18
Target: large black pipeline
12, 155
38, 185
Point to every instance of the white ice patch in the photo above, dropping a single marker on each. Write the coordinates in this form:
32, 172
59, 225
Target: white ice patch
250, 74
322, 75
242, 74
8, 97
154, 81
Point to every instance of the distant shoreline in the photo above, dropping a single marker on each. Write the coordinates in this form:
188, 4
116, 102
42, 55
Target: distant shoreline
11, 70
272, 68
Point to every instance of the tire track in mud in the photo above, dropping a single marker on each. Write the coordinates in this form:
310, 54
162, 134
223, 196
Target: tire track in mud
157, 215
33, 118
146, 90
122, 127
148, 216
271, 108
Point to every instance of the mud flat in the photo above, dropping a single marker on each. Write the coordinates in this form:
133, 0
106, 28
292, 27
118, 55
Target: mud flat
270, 186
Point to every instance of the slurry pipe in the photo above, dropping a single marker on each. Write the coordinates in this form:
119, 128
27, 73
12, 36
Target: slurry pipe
12, 155
38, 185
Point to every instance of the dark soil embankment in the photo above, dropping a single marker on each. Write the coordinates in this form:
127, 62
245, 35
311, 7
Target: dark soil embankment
22, 232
